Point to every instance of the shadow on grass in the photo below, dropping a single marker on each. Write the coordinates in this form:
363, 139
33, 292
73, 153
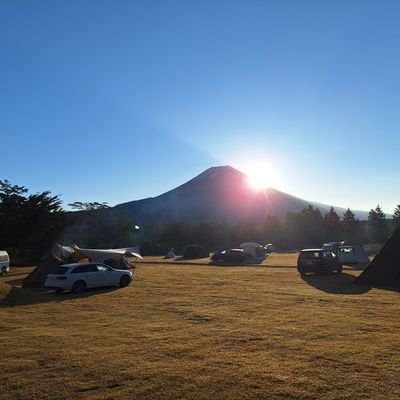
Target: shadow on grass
183, 259
355, 267
246, 265
19, 296
336, 283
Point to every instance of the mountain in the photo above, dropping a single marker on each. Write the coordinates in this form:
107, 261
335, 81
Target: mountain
217, 194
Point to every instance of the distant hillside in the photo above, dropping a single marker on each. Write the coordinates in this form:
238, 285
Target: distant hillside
218, 194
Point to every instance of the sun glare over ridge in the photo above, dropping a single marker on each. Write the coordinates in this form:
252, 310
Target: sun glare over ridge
261, 177
258, 182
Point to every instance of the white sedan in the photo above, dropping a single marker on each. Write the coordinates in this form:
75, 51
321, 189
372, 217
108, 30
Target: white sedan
80, 276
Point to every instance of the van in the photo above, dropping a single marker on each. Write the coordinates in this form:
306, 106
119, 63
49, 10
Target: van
4, 262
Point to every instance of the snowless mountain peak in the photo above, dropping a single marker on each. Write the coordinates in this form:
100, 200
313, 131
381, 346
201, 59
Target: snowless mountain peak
219, 193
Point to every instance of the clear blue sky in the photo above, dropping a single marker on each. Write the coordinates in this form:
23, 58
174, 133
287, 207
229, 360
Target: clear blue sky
121, 100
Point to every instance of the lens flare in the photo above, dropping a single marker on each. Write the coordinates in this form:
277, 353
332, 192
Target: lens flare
261, 177
258, 181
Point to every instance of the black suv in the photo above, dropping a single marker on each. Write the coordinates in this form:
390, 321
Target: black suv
318, 261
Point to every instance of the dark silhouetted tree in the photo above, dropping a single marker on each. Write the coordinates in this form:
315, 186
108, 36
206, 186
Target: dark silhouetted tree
29, 223
350, 226
304, 228
97, 225
272, 230
396, 216
377, 227
332, 225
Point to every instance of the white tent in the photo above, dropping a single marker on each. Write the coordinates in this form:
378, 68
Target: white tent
348, 253
352, 254
99, 255
75, 253
254, 250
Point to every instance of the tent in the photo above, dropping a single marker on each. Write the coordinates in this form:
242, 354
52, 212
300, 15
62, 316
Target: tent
100, 255
38, 276
195, 251
58, 255
348, 253
171, 254
254, 250
384, 269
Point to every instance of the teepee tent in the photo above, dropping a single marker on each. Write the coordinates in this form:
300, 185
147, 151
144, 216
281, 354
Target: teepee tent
384, 269
38, 276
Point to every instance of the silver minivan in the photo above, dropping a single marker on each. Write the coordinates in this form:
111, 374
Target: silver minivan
4, 262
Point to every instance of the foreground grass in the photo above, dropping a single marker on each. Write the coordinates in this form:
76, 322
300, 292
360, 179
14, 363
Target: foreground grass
203, 332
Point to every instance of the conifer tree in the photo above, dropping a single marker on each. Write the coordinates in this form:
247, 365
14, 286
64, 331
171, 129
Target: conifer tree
332, 225
396, 215
377, 226
29, 223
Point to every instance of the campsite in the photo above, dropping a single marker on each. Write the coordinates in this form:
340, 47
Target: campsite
197, 331
199, 200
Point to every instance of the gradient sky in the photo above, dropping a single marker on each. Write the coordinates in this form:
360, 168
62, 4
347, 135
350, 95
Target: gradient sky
120, 100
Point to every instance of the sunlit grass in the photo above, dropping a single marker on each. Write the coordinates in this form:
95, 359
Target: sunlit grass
203, 332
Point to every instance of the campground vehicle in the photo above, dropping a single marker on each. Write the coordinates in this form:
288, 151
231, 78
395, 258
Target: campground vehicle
231, 255
318, 261
4, 262
347, 252
269, 248
80, 276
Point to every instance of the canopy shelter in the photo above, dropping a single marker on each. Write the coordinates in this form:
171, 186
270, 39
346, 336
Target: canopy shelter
116, 258
100, 255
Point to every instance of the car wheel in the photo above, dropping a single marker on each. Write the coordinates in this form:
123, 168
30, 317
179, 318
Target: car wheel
125, 280
78, 287
339, 269
3, 271
301, 272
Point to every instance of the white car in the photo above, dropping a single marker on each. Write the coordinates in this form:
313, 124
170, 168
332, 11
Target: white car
80, 276
4, 262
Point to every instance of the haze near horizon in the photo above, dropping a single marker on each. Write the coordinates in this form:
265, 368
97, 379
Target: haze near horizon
118, 101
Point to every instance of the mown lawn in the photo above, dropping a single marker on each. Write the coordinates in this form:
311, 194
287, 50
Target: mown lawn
203, 332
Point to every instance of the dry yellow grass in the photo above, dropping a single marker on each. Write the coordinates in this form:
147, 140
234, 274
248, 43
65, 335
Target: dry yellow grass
203, 332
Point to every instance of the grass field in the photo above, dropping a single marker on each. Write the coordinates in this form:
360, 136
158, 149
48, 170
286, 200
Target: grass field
203, 332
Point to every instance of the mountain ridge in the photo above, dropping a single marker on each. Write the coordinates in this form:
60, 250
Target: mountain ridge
220, 193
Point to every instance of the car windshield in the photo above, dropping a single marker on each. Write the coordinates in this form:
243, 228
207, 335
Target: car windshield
309, 255
59, 270
103, 268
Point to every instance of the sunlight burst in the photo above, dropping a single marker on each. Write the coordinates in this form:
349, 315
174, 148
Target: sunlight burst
261, 177
258, 181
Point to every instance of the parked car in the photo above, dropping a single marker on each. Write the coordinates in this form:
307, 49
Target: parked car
269, 248
231, 255
4, 262
318, 261
80, 276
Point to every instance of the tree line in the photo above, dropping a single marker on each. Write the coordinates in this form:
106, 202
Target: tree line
31, 223
307, 228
